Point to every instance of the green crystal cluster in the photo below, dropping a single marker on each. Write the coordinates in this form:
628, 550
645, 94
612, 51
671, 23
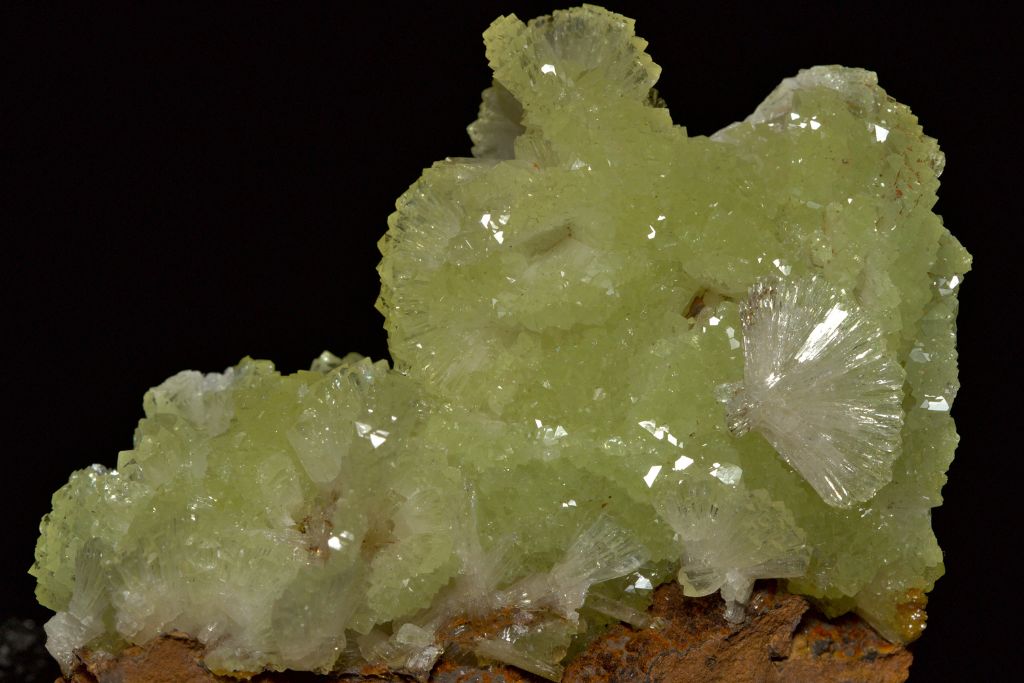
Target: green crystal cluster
621, 353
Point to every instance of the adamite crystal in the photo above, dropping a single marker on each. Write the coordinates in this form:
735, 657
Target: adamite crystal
621, 352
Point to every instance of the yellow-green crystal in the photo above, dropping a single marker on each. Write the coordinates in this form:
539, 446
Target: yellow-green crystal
566, 311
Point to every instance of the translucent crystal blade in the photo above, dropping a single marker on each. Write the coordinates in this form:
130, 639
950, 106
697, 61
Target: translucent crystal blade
729, 537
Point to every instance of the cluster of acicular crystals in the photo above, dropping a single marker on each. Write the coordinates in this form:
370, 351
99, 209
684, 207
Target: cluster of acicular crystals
620, 352
730, 537
820, 385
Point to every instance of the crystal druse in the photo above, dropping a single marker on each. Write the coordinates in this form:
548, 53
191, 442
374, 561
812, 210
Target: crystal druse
622, 354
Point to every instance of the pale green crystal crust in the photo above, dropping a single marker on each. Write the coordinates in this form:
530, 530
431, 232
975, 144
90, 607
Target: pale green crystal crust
577, 315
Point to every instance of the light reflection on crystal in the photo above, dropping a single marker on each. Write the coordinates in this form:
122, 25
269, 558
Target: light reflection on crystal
734, 343
496, 230
939, 404
919, 355
550, 435
781, 265
641, 584
651, 475
681, 463
375, 436
726, 473
660, 432
948, 285
823, 334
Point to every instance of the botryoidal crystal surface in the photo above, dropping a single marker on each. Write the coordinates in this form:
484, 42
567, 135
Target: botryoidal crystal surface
622, 354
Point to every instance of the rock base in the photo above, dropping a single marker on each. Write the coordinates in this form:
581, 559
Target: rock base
782, 641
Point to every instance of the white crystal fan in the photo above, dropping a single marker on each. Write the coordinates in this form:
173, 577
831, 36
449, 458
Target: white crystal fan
820, 386
730, 537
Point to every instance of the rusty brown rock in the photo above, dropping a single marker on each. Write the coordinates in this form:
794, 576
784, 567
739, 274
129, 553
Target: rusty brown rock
177, 658
165, 659
781, 641
448, 672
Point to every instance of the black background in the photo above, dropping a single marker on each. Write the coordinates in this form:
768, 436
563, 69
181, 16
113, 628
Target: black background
190, 184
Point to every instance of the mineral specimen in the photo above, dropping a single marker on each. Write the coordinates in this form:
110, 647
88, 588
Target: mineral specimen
620, 352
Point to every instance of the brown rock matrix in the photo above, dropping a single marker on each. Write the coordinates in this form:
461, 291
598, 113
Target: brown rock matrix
782, 641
